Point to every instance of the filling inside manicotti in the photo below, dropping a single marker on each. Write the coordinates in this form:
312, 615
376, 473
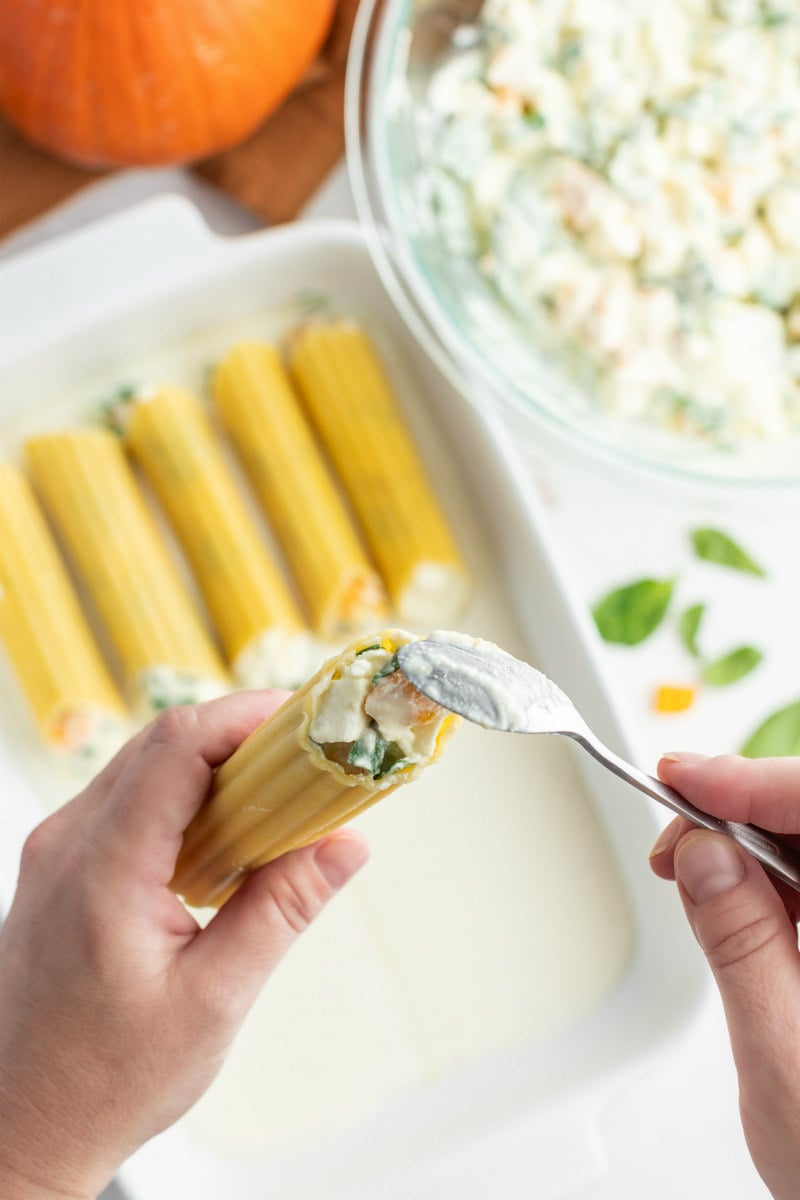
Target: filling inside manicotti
372, 721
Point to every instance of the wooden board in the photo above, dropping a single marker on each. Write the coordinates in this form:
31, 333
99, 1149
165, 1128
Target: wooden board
273, 172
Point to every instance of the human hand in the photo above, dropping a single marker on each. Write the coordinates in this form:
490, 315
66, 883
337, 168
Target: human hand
117, 1009
746, 923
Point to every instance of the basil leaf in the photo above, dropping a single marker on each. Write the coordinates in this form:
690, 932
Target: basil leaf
714, 546
630, 614
688, 625
732, 666
777, 736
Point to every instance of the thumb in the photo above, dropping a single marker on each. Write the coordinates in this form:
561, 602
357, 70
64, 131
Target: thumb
751, 945
237, 952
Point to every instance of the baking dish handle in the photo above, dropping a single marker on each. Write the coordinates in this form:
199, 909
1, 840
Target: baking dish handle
82, 275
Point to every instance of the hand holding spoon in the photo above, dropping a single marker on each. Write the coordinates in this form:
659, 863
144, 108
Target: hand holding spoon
489, 687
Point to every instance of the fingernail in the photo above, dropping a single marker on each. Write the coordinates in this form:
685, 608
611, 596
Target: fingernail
339, 857
708, 865
686, 758
666, 839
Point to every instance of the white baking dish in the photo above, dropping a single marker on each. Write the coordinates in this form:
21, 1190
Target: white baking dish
153, 291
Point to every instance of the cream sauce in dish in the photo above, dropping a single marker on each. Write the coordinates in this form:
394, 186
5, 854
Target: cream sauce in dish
463, 937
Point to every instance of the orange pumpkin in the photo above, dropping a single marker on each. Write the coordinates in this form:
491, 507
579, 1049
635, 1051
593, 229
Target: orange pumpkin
147, 82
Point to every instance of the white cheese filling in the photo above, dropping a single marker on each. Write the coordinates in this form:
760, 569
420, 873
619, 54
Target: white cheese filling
625, 174
89, 734
381, 720
161, 687
280, 659
435, 592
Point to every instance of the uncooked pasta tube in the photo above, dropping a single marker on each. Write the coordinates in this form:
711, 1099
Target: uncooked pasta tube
352, 406
351, 735
90, 493
73, 698
251, 606
264, 418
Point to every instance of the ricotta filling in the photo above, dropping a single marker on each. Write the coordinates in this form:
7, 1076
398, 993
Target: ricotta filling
84, 732
280, 659
372, 721
161, 687
623, 173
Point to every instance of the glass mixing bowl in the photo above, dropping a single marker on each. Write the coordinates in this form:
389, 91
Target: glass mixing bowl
459, 318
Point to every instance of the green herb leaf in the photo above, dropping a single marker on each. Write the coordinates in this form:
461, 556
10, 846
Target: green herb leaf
110, 408
777, 736
389, 667
714, 546
732, 666
688, 625
312, 302
393, 760
366, 649
630, 614
367, 753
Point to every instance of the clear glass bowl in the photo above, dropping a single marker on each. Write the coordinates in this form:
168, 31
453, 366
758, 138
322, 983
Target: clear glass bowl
459, 319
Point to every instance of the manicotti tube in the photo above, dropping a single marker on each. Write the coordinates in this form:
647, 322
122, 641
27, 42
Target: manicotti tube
352, 406
263, 416
73, 698
254, 612
89, 491
355, 732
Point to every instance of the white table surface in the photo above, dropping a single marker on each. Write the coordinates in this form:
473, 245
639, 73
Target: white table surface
675, 1131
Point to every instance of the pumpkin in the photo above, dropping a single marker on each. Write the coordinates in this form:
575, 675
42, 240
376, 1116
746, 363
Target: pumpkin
148, 82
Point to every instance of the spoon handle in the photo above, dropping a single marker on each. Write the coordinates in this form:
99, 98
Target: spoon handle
779, 858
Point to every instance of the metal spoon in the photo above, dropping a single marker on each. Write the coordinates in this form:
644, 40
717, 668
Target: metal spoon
491, 688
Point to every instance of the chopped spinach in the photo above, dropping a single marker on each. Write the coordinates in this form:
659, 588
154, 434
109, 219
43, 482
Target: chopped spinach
374, 755
393, 760
312, 302
108, 409
389, 667
770, 19
367, 752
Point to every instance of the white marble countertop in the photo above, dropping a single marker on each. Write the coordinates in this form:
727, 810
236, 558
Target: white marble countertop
674, 1132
